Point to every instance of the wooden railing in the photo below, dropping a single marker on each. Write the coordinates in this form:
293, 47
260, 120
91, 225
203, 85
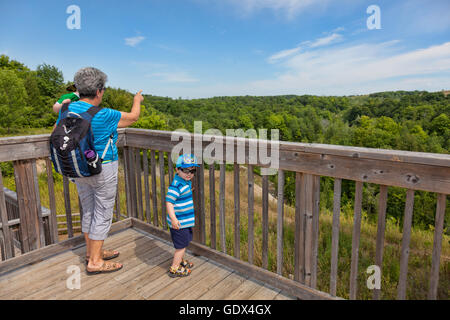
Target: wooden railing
139, 163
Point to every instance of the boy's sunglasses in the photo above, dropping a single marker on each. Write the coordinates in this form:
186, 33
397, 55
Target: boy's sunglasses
187, 170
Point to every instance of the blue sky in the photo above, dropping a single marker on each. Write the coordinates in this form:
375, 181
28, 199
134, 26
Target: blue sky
205, 48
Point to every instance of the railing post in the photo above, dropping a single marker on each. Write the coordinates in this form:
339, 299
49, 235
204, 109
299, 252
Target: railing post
31, 225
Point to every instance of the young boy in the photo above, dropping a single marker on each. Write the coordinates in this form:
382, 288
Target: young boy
180, 213
72, 96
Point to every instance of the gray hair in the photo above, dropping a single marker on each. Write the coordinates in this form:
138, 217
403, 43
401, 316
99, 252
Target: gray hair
89, 80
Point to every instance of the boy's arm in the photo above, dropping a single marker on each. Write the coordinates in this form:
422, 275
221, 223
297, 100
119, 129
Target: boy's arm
171, 211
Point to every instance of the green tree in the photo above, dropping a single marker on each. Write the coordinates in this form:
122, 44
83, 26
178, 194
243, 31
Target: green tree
13, 97
50, 79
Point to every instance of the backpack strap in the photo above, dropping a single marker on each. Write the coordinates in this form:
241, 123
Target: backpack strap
94, 110
64, 109
110, 142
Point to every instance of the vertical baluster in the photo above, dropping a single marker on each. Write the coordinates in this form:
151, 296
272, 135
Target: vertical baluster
126, 171
140, 209
80, 206
117, 203
299, 271
146, 186
133, 191
37, 198
201, 199
265, 221
380, 234
222, 208
437, 246
154, 200
335, 235
308, 186
170, 166
8, 252
237, 225
251, 214
51, 196
67, 206
355, 240
407, 221
163, 189
315, 228
280, 219
212, 208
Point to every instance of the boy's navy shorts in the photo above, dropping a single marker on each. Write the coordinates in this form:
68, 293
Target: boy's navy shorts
181, 237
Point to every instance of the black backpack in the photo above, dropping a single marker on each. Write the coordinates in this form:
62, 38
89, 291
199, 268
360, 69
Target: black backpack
72, 144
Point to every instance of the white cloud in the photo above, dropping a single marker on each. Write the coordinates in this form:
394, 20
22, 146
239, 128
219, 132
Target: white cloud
335, 37
282, 54
173, 77
361, 68
134, 41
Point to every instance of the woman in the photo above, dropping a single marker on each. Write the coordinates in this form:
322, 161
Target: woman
97, 193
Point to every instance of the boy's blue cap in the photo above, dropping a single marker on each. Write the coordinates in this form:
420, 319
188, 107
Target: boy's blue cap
186, 161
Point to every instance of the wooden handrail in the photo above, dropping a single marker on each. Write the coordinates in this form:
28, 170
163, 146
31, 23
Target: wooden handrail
409, 170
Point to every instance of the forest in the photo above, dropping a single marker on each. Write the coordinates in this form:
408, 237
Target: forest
401, 120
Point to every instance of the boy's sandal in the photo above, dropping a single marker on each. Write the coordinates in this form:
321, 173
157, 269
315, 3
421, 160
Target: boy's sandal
105, 268
180, 272
107, 255
186, 264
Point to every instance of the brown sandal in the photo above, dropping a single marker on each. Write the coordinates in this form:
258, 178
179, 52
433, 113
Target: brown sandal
107, 255
105, 268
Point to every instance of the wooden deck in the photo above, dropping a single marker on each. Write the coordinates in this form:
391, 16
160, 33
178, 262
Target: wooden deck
144, 276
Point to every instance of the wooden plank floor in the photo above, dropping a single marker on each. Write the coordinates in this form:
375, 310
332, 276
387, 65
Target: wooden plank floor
144, 276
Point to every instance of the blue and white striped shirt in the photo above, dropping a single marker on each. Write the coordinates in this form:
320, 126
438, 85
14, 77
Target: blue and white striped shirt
179, 194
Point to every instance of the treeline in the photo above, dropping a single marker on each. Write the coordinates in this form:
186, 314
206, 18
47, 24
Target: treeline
412, 121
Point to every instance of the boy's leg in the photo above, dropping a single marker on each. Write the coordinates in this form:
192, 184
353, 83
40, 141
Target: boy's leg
177, 257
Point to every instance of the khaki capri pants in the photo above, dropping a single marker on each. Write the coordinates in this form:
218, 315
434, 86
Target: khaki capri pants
97, 196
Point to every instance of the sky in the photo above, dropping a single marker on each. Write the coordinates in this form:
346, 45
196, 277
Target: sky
206, 48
